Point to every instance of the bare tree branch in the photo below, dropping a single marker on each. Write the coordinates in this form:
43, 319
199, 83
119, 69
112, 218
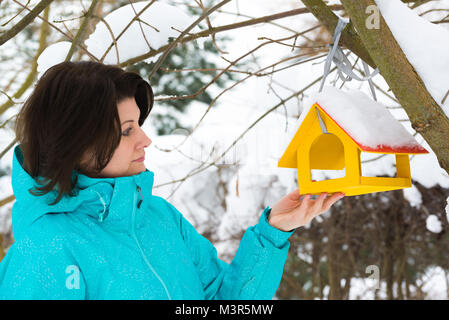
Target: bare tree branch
187, 30
126, 28
24, 22
234, 63
208, 32
80, 33
33, 72
28, 2
62, 32
425, 114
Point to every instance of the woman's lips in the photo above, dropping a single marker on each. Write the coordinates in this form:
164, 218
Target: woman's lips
140, 159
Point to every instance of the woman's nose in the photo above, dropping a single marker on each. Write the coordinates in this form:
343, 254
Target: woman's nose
149, 141
145, 140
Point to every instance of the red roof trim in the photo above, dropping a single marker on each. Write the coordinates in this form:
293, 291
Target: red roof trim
383, 148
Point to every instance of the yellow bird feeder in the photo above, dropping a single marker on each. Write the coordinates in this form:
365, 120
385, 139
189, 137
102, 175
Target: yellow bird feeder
323, 143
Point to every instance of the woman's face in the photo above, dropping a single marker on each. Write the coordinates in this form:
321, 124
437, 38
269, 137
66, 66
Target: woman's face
132, 143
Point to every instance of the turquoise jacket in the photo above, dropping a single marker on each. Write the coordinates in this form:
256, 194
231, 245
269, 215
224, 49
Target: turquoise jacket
116, 240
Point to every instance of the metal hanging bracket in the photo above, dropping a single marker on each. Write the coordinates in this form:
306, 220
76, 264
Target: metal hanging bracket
322, 125
343, 64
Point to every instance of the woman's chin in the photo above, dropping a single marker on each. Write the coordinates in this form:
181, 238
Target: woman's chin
138, 168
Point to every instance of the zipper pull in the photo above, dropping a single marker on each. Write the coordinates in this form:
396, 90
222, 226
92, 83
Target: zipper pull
141, 196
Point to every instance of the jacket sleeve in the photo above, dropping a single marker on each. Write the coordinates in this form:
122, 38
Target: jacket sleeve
256, 270
33, 270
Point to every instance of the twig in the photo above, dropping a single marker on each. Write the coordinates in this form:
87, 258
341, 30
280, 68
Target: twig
333, 7
445, 97
8, 147
256, 73
28, 2
209, 24
140, 26
80, 33
59, 30
177, 40
9, 98
7, 200
7, 120
206, 33
114, 40
231, 64
7, 35
126, 28
32, 74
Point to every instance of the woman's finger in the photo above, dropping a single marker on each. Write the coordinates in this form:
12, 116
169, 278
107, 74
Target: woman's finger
305, 202
294, 195
332, 199
318, 205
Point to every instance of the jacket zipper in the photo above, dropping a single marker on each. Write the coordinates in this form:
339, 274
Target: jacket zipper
133, 233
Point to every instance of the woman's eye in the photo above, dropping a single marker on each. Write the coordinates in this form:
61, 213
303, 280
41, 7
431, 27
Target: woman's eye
126, 132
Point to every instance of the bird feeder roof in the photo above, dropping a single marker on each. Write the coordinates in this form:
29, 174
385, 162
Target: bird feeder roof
368, 123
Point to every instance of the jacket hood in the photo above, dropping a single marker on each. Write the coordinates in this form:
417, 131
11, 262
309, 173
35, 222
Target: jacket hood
109, 200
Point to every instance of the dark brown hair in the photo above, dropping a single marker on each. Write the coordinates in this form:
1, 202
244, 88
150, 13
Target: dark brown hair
72, 112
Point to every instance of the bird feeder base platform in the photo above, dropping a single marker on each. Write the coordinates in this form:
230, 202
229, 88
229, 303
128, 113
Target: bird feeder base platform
363, 186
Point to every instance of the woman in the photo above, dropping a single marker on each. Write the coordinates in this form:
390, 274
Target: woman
85, 222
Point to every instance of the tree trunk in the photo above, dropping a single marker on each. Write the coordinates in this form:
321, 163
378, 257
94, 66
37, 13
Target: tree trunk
332, 260
426, 116
348, 38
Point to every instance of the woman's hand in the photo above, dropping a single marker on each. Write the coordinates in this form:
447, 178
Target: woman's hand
291, 212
